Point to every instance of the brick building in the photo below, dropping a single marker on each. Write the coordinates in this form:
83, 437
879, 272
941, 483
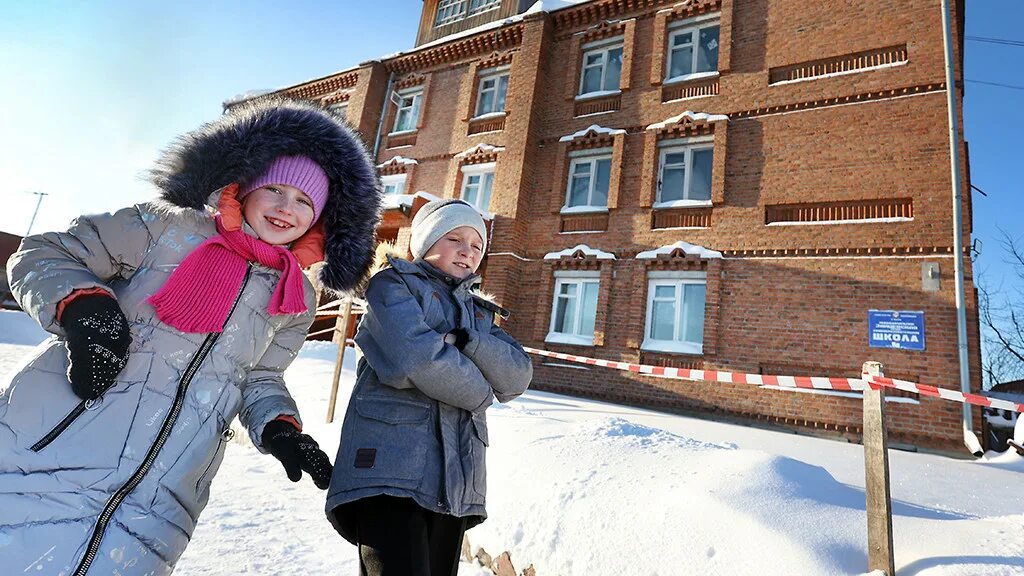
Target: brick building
719, 184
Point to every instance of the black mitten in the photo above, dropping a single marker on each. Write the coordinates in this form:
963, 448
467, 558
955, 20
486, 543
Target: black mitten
98, 337
461, 338
297, 452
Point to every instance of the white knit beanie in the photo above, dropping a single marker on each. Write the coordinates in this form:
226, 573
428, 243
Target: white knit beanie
437, 218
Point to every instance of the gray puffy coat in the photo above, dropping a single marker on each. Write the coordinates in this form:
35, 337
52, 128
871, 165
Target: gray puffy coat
116, 486
416, 423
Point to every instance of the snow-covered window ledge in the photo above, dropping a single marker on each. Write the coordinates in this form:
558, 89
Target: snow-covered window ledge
584, 210
682, 204
691, 77
558, 338
672, 347
489, 116
403, 132
598, 94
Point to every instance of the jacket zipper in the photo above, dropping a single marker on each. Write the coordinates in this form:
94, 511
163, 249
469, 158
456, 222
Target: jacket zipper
65, 422
165, 431
444, 504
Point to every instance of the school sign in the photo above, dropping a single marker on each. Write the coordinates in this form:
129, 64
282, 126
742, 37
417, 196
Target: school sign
896, 329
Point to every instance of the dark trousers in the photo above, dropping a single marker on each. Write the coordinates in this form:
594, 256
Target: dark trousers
399, 538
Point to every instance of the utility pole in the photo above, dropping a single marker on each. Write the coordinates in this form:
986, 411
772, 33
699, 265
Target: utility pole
38, 202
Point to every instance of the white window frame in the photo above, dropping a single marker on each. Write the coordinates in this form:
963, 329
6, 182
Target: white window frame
688, 146
580, 157
578, 277
690, 25
455, 10
483, 171
396, 180
415, 105
677, 279
495, 74
603, 47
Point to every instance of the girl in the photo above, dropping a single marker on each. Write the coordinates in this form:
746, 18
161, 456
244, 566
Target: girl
410, 475
169, 320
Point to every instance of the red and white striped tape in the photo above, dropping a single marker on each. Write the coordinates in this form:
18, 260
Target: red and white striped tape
808, 382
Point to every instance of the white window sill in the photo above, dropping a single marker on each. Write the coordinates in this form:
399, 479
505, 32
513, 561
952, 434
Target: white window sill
672, 347
585, 210
489, 116
403, 132
682, 204
559, 338
688, 77
856, 221
598, 94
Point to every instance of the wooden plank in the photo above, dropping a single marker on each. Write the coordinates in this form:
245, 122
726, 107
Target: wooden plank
876, 475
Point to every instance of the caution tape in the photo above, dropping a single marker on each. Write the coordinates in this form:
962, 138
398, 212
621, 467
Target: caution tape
804, 382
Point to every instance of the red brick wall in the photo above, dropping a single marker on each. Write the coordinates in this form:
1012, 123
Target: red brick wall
785, 298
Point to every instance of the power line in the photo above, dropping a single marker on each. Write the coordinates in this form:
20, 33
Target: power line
1000, 41
1001, 85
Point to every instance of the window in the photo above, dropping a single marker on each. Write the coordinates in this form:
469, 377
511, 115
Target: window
341, 110
675, 312
490, 97
602, 69
449, 11
685, 176
408, 111
692, 50
589, 179
477, 182
393, 184
574, 309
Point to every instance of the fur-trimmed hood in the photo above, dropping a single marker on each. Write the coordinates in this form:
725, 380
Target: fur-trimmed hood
239, 146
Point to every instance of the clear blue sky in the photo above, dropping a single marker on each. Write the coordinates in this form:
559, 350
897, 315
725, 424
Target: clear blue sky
92, 90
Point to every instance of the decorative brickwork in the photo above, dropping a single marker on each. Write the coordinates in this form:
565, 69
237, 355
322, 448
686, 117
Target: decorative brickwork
848, 63
839, 211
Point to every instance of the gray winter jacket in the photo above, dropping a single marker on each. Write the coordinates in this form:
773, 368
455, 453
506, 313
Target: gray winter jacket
116, 486
416, 423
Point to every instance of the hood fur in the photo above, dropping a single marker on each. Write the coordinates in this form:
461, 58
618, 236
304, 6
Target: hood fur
239, 146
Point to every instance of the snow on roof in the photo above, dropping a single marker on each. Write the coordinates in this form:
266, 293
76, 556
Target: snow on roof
553, 5
429, 197
693, 116
247, 95
481, 147
592, 128
686, 247
583, 249
398, 160
393, 201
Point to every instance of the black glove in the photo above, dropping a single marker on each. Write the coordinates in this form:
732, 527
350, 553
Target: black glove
98, 338
461, 338
297, 452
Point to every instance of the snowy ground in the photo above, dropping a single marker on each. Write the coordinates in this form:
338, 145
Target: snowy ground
583, 487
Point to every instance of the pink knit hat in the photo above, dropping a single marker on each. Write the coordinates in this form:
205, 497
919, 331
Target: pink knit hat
298, 171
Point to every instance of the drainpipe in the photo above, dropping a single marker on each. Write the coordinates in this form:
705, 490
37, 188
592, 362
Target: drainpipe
383, 113
970, 440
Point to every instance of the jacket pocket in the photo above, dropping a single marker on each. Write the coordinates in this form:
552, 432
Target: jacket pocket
47, 413
206, 477
387, 440
478, 453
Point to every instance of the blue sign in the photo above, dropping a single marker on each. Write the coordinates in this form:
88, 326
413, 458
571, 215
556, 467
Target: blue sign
896, 329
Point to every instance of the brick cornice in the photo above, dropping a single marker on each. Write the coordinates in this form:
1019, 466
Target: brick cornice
602, 10
484, 43
324, 86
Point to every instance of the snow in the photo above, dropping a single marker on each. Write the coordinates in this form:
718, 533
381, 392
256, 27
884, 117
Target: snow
586, 250
481, 147
398, 161
693, 116
889, 220
553, 5
584, 487
692, 249
592, 128
393, 201
843, 73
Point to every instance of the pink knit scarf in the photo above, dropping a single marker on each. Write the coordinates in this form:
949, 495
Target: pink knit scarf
201, 291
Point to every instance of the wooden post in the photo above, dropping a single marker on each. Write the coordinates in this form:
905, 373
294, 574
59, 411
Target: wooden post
876, 473
340, 334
